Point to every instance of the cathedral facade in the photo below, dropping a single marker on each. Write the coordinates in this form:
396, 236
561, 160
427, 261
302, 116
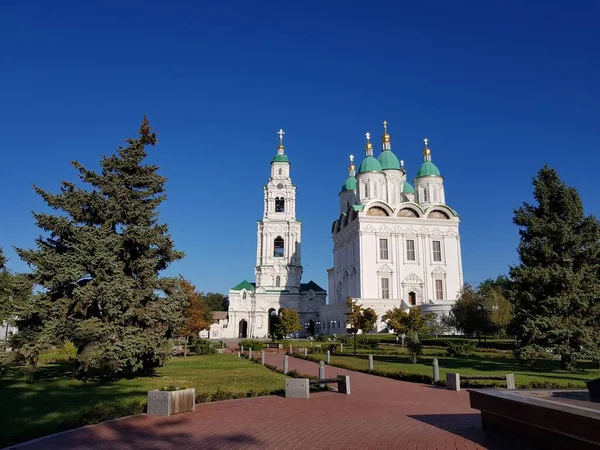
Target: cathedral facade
394, 244
278, 270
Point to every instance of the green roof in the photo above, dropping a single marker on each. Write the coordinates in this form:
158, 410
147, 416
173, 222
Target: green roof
304, 287
388, 160
244, 285
349, 184
369, 164
428, 169
358, 207
407, 188
281, 158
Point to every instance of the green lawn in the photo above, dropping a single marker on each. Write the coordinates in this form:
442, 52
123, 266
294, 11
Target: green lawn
56, 402
546, 371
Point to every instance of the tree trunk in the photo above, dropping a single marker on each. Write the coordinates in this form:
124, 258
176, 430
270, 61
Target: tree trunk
185, 348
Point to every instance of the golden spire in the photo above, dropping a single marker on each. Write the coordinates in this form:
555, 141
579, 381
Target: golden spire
426, 151
368, 146
385, 137
281, 148
351, 168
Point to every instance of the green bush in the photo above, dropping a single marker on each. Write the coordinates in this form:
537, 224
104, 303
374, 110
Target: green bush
461, 348
202, 347
367, 343
344, 339
251, 344
414, 347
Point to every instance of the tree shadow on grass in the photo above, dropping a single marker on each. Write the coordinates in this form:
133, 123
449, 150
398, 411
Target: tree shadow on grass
143, 432
469, 427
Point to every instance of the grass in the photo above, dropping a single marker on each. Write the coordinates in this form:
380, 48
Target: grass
546, 372
56, 402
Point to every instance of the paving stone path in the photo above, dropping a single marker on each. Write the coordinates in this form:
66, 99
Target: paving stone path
379, 414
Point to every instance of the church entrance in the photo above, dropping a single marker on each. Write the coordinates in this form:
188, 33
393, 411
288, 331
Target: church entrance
243, 329
272, 322
311, 328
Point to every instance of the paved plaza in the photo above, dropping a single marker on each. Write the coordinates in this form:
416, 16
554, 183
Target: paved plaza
379, 414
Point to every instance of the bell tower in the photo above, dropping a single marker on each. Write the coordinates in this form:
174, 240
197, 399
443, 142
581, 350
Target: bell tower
278, 262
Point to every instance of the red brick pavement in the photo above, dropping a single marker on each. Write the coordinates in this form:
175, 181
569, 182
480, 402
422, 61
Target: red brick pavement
379, 414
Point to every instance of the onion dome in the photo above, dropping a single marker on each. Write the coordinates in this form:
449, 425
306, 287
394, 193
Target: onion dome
427, 169
387, 159
350, 183
369, 164
281, 156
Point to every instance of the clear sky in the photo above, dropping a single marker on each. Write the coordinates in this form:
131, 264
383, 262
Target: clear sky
498, 87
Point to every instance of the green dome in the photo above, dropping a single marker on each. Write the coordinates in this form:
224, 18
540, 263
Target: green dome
428, 169
369, 164
281, 158
349, 184
388, 160
407, 188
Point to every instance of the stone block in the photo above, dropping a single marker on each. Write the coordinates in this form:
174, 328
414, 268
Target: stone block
453, 381
594, 389
297, 388
344, 384
167, 403
510, 381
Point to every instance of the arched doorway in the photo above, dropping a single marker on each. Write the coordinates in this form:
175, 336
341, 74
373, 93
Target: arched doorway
311, 328
412, 298
272, 321
243, 329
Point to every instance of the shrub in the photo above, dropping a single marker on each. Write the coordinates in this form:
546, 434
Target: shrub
461, 348
69, 349
344, 339
320, 338
101, 412
251, 344
202, 347
366, 343
413, 345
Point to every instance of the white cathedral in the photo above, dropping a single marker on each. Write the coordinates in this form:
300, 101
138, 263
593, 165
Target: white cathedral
393, 245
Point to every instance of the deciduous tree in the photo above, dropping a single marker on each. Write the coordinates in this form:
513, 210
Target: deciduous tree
197, 314
403, 322
288, 322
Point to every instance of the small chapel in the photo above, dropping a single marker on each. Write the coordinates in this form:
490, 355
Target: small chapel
395, 244
278, 271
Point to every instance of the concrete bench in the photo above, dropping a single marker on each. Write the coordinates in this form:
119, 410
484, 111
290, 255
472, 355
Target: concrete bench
300, 387
453, 379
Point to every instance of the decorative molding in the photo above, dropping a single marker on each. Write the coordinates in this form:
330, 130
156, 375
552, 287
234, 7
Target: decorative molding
439, 271
412, 279
385, 269
436, 231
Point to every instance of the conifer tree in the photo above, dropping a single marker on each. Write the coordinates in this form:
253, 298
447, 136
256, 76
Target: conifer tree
98, 267
557, 289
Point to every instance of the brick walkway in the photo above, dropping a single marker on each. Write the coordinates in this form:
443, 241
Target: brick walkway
379, 414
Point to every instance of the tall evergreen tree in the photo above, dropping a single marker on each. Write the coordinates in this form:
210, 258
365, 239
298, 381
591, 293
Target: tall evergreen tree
557, 285
98, 267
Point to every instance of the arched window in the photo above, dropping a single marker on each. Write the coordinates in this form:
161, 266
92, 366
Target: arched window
244, 296
279, 171
279, 204
412, 298
277, 281
278, 247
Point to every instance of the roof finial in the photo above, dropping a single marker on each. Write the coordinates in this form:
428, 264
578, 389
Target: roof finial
368, 146
281, 147
351, 168
426, 151
402, 164
386, 143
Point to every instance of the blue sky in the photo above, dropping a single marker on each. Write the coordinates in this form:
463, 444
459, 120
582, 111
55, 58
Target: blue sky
498, 87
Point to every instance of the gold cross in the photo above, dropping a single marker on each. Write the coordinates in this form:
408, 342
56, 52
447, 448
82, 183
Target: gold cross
426, 141
281, 133
385, 126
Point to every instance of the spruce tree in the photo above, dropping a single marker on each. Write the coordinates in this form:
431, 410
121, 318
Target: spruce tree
556, 283
98, 267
